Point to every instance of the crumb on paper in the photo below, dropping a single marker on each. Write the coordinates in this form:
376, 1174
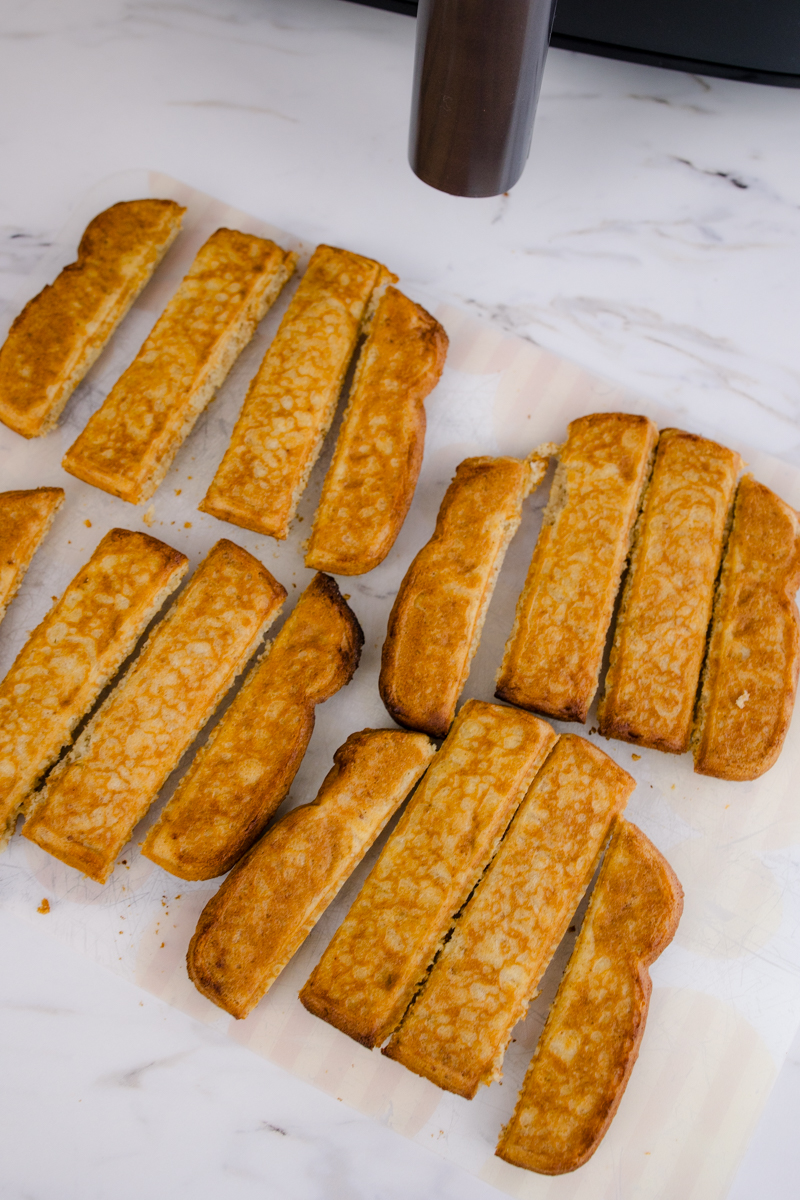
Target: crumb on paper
742, 700
187, 524
346, 595
636, 757
161, 947
54, 598
44, 907
178, 491
300, 518
672, 789
149, 515
88, 523
190, 476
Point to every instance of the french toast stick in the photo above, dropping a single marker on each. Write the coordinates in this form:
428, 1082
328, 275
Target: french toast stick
750, 676
370, 483
274, 897
70, 657
128, 445
378, 957
244, 771
25, 518
552, 658
437, 618
59, 333
660, 636
106, 783
291, 401
591, 1040
459, 1027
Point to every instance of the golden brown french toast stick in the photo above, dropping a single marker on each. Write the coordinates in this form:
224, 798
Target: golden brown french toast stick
25, 518
437, 618
590, 1043
129, 443
660, 636
552, 658
377, 959
457, 1030
59, 333
70, 657
370, 483
273, 898
241, 775
291, 401
105, 785
750, 676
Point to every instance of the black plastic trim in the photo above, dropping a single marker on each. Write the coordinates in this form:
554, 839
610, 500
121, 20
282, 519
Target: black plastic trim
671, 62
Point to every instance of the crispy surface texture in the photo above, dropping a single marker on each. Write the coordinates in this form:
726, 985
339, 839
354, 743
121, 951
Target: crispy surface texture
378, 957
370, 483
25, 518
241, 775
59, 333
271, 901
70, 657
660, 636
552, 658
128, 445
436, 621
105, 785
750, 676
291, 401
459, 1027
590, 1043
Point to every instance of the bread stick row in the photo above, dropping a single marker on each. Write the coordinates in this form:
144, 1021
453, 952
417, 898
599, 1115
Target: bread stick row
705, 558
129, 444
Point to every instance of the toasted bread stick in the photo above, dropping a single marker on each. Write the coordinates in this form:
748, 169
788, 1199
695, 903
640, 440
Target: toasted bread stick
660, 636
370, 483
457, 1030
437, 618
25, 518
241, 775
552, 659
59, 334
129, 444
590, 1043
291, 401
70, 657
378, 958
274, 897
105, 785
750, 676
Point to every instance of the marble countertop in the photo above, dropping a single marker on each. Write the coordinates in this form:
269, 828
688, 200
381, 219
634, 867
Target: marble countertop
654, 238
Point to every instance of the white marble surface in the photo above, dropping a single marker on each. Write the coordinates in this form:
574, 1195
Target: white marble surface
654, 238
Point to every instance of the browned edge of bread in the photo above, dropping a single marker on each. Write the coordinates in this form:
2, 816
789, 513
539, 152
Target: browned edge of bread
25, 518
579, 1070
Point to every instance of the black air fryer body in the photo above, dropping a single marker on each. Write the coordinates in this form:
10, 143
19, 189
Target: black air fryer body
754, 40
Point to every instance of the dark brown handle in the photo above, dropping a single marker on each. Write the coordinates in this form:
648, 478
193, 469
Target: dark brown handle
477, 75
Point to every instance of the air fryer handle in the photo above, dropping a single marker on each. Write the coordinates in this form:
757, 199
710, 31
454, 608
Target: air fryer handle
477, 76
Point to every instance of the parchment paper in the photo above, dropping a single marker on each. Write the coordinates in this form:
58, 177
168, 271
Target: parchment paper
726, 997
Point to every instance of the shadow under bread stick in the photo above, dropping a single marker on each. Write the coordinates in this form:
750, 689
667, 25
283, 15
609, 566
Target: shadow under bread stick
457, 1031
371, 480
239, 778
128, 445
749, 680
274, 897
105, 785
437, 618
59, 333
292, 399
660, 636
25, 518
378, 957
70, 657
591, 1040
553, 657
